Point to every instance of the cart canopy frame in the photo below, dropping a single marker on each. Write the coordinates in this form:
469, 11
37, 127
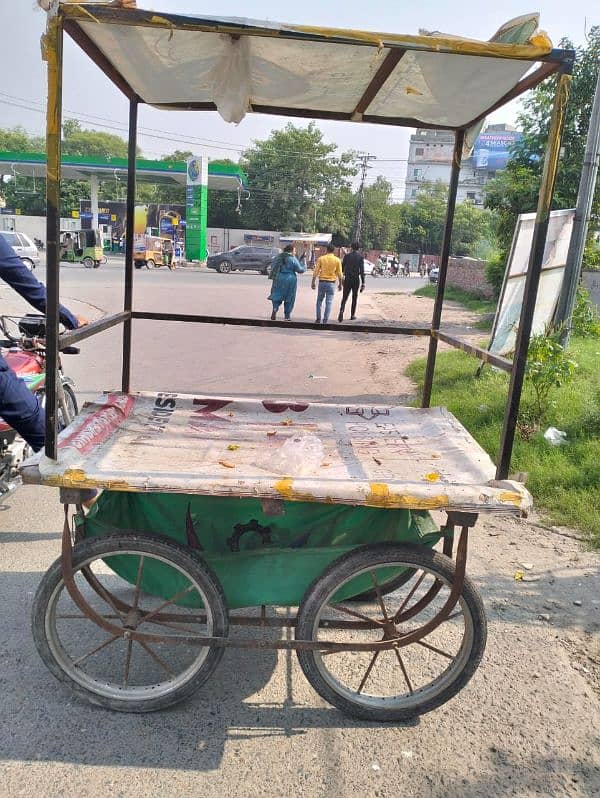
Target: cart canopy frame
237, 66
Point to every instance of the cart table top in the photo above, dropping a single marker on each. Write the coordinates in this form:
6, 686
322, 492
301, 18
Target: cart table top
380, 456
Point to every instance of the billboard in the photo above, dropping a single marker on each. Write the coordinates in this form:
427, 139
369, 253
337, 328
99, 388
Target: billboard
168, 219
492, 150
508, 312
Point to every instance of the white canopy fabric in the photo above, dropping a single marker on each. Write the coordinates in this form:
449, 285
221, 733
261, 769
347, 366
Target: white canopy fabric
238, 65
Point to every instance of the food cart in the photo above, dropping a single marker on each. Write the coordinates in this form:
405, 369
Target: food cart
214, 505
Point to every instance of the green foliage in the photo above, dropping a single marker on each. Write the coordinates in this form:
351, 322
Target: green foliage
564, 480
379, 215
289, 175
515, 190
494, 272
421, 223
17, 139
585, 320
548, 368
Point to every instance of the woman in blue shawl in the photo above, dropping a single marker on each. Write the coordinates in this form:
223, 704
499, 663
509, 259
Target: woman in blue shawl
284, 269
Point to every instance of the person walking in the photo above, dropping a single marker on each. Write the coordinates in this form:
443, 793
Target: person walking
283, 272
353, 270
19, 407
328, 269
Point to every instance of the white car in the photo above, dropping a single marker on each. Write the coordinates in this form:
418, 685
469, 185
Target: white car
23, 246
369, 266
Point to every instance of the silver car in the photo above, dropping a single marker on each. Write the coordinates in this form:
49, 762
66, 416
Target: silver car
23, 246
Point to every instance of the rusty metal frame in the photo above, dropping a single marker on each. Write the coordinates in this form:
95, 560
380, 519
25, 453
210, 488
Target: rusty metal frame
392, 637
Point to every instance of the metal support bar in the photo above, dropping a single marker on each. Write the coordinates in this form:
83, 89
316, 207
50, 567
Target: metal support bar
54, 49
459, 139
583, 214
74, 336
128, 297
532, 280
483, 354
287, 325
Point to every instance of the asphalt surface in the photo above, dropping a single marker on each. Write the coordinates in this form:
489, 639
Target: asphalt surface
527, 724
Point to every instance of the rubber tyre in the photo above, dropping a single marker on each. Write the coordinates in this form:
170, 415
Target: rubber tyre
373, 556
138, 264
150, 264
71, 403
144, 544
88, 263
225, 267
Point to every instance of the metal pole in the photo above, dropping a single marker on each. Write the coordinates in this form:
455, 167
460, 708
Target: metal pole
459, 139
583, 212
128, 297
54, 43
534, 269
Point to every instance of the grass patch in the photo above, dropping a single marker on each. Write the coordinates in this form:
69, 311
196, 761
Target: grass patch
466, 298
564, 480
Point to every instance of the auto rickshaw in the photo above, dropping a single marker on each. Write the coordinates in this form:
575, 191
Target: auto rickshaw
82, 246
152, 251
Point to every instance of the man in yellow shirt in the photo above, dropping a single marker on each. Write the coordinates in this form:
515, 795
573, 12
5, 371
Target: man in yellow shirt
327, 270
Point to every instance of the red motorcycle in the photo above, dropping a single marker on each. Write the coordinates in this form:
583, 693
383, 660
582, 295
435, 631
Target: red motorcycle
23, 347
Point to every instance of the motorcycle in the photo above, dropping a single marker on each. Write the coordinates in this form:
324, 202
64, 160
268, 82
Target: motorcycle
25, 353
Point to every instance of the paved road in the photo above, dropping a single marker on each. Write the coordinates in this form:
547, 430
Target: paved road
526, 725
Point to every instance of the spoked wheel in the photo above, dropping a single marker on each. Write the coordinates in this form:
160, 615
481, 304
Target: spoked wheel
225, 267
65, 418
409, 679
164, 591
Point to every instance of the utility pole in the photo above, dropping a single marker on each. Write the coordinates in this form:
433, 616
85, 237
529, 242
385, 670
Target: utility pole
358, 216
583, 210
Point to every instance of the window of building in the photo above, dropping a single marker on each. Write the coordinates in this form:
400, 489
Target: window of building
417, 174
471, 196
419, 150
413, 193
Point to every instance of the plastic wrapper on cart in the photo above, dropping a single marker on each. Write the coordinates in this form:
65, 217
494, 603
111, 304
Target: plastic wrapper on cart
380, 456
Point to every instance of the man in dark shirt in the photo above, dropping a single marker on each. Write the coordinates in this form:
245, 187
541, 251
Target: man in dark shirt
18, 406
353, 269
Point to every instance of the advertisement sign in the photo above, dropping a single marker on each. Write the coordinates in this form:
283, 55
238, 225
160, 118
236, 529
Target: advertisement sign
167, 218
508, 313
492, 150
196, 208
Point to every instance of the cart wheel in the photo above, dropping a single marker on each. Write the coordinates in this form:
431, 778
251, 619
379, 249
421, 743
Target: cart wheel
88, 263
389, 586
398, 683
128, 675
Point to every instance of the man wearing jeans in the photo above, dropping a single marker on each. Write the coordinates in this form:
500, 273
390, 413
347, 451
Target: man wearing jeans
327, 271
353, 267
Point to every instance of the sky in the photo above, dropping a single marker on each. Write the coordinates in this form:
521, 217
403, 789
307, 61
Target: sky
90, 97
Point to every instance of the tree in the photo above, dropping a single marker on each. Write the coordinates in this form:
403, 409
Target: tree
289, 176
421, 224
516, 189
380, 218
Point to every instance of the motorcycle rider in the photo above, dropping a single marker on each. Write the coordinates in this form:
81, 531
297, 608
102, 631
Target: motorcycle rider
18, 406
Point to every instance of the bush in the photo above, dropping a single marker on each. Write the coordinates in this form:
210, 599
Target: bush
548, 368
494, 272
585, 321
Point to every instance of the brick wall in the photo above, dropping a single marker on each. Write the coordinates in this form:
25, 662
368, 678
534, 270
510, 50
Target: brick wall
469, 274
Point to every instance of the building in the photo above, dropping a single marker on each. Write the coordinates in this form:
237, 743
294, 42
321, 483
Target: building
430, 161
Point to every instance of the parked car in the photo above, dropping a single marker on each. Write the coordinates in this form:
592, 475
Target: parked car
369, 266
244, 258
434, 274
23, 246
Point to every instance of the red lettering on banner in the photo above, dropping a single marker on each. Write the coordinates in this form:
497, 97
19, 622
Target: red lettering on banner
101, 424
280, 407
